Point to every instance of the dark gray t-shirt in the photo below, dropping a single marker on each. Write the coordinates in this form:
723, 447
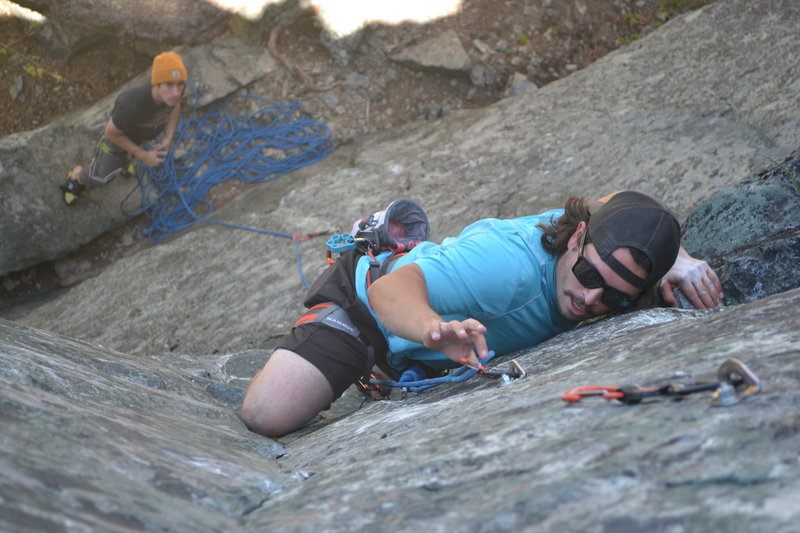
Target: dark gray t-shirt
138, 115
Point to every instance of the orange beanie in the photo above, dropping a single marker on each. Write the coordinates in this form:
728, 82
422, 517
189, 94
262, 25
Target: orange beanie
167, 66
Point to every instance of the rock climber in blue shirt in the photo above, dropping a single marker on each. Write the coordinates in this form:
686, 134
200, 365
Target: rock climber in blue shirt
501, 284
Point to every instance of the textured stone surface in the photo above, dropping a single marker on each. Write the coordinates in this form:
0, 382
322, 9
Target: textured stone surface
96, 440
477, 457
182, 21
444, 53
750, 233
99, 434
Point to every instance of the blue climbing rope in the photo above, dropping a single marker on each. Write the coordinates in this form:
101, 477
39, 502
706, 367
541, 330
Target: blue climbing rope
219, 146
413, 380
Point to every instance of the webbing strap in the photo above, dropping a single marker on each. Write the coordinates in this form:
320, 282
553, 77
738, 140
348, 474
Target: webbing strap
310, 315
331, 315
110, 148
376, 270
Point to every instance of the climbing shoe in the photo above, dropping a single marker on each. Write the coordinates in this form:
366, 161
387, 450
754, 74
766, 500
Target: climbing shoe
71, 189
129, 171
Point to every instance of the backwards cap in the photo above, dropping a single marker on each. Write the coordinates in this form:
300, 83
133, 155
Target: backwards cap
167, 67
638, 221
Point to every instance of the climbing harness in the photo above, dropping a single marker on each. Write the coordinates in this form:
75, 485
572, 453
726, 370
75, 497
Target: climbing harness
107, 159
735, 383
331, 315
393, 232
381, 238
413, 379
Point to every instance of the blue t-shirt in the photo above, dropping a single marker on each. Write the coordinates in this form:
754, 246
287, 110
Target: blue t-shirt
495, 271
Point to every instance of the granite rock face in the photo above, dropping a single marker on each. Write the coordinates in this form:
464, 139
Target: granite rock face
680, 114
442, 53
184, 21
750, 233
118, 397
97, 440
218, 290
59, 477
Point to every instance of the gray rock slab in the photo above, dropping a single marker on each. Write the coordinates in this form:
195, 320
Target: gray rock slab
97, 440
480, 457
129, 428
750, 233
219, 290
224, 67
519, 83
679, 114
443, 53
182, 21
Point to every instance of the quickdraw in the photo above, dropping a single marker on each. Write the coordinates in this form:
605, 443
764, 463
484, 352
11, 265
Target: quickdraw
735, 382
512, 371
413, 379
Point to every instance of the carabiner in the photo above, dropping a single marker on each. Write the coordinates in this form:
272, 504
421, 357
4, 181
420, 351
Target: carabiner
513, 370
609, 393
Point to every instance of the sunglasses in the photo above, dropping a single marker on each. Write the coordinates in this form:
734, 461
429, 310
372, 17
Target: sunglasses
589, 277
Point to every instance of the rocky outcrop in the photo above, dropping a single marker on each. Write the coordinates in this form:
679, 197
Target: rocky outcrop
680, 114
98, 440
178, 22
442, 53
750, 233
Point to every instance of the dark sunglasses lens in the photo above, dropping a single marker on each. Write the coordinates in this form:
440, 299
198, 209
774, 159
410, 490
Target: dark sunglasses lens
587, 275
616, 300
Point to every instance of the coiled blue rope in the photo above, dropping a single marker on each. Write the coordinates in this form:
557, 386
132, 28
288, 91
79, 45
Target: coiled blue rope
219, 146
410, 379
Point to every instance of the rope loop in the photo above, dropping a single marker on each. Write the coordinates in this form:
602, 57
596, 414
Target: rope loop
219, 146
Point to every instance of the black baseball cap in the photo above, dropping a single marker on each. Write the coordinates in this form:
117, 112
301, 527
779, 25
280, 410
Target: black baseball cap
638, 221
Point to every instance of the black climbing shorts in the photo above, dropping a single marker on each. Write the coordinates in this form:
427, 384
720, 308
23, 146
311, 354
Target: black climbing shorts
341, 357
